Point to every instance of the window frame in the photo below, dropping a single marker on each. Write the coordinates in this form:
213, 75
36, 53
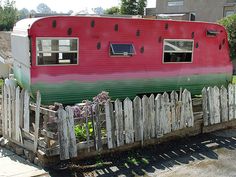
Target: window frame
57, 38
187, 40
125, 43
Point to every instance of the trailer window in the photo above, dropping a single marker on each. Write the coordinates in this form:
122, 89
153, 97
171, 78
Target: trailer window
57, 51
177, 51
121, 49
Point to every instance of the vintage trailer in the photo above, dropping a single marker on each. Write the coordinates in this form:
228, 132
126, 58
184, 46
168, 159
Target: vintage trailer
71, 58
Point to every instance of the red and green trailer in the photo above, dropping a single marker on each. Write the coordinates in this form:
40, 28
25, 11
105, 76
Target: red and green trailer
72, 58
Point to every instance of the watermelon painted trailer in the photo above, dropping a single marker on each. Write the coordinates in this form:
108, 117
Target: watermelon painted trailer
72, 58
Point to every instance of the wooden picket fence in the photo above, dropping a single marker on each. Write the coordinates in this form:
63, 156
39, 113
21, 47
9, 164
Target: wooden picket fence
127, 122
115, 125
219, 105
16, 115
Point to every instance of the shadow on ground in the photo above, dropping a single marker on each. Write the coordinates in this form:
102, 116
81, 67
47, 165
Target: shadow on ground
141, 162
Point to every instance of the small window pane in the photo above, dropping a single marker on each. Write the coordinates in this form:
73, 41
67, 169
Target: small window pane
57, 51
178, 45
177, 51
122, 49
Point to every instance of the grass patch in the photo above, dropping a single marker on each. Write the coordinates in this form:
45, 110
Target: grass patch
234, 80
1, 82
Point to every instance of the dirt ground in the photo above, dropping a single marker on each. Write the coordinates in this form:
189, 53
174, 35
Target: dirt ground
202, 156
5, 43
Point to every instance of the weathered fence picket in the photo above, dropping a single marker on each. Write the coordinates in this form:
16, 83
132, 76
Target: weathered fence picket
145, 118
128, 120
71, 133
231, 93
97, 128
218, 104
166, 113
152, 116
158, 120
17, 114
205, 106
138, 121
26, 111
110, 125
37, 119
63, 134
224, 114
119, 123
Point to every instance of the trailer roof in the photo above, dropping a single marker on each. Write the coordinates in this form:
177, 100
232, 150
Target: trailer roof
22, 26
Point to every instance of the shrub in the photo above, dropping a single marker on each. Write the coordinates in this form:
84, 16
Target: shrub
230, 24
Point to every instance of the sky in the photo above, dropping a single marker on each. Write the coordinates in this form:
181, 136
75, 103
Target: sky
75, 5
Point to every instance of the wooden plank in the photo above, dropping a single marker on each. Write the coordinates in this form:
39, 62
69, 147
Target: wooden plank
27, 135
205, 107
152, 116
174, 102
187, 109
4, 109
9, 120
26, 111
210, 95
44, 111
224, 105
17, 114
158, 115
138, 121
191, 115
97, 128
231, 93
216, 105
22, 95
71, 132
63, 135
119, 123
109, 125
37, 118
128, 120
87, 132
12, 103
49, 134
146, 126
166, 114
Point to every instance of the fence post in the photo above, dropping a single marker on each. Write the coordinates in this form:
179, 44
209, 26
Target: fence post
71, 132
63, 135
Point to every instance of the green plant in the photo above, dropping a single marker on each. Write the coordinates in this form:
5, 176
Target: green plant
81, 132
230, 25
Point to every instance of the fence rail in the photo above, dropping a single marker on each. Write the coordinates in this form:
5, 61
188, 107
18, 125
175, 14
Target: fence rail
115, 125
